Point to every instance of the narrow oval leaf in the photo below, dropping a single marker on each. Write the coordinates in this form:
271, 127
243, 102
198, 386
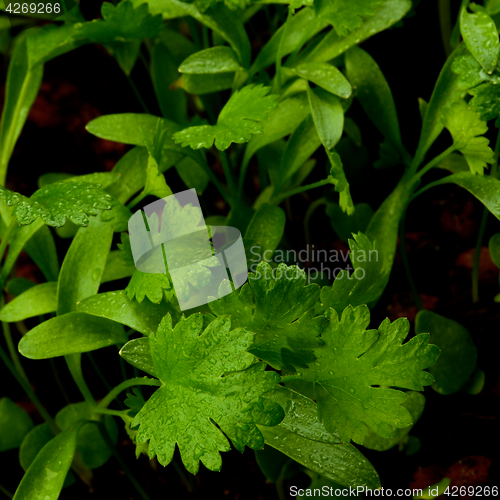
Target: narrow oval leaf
218, 59
45, 476
458, 357
15, 423
326, 76
328, 116
70, 333
40, 299
342, 463
138, 354
143, 317
494, 246
206, 84
373, 93
481, 37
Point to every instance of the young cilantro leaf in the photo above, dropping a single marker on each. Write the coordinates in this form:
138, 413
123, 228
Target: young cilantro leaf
354, 361
465, 125
239, 119
150, 285
347, 15
72, 199
278, 308
340, 181
486, 101
211, 388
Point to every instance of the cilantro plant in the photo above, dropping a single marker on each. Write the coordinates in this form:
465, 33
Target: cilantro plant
280, 363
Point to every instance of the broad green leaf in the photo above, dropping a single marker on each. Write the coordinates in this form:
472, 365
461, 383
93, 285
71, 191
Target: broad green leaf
17, 286
303, 24
238, 120
333, 45
347, 15
342, 463
150, 285
144, 317
445, 92
218, 59
58, 202
481, 37
206, 84
46, 474
458, 357
264, 232
355, 360
465, 126
138, 354
374, 94
282, 121
485, 188
328, 116
347, 226
302, 144
15, 423
38, 300
207, 379
415, 406
326, 76
70, 333
21, 90
277, 307
94, 450
83, 265
340, 181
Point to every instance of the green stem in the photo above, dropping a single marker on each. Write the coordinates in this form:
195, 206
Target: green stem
7, 236
74, 362
312, 208
6, 492
29, 391
12, 350
445, 23
205, 38
482, 230
217, 184
277, 79
288, 378
301, 189
136, 200
229, 175
406, 263
434, 162
137, 94
106, 400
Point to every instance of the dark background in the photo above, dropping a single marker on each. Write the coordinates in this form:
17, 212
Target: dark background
459, 433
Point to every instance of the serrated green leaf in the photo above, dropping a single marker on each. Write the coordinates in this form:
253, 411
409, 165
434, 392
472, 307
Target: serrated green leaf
481, 37
354, 360
458, 357
37, 300
143, 317
347, 15
70, 333
15, 423
277, 307
214, 381
150, 285
465, 126
57, 202
340, 181
486, 101
238, 120
218, 59
326, 76
470, 72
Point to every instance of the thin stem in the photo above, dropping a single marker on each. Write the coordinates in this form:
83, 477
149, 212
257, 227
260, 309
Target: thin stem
12, 350
58, 381
288, 378
136, 200
217, 184
482, 229
137, 94
312, 208
205, 37
106, 400
406, 263
445, 23
301, 189
6, 492
29, 391
227, 172
434, 162
107, 411
74, 362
